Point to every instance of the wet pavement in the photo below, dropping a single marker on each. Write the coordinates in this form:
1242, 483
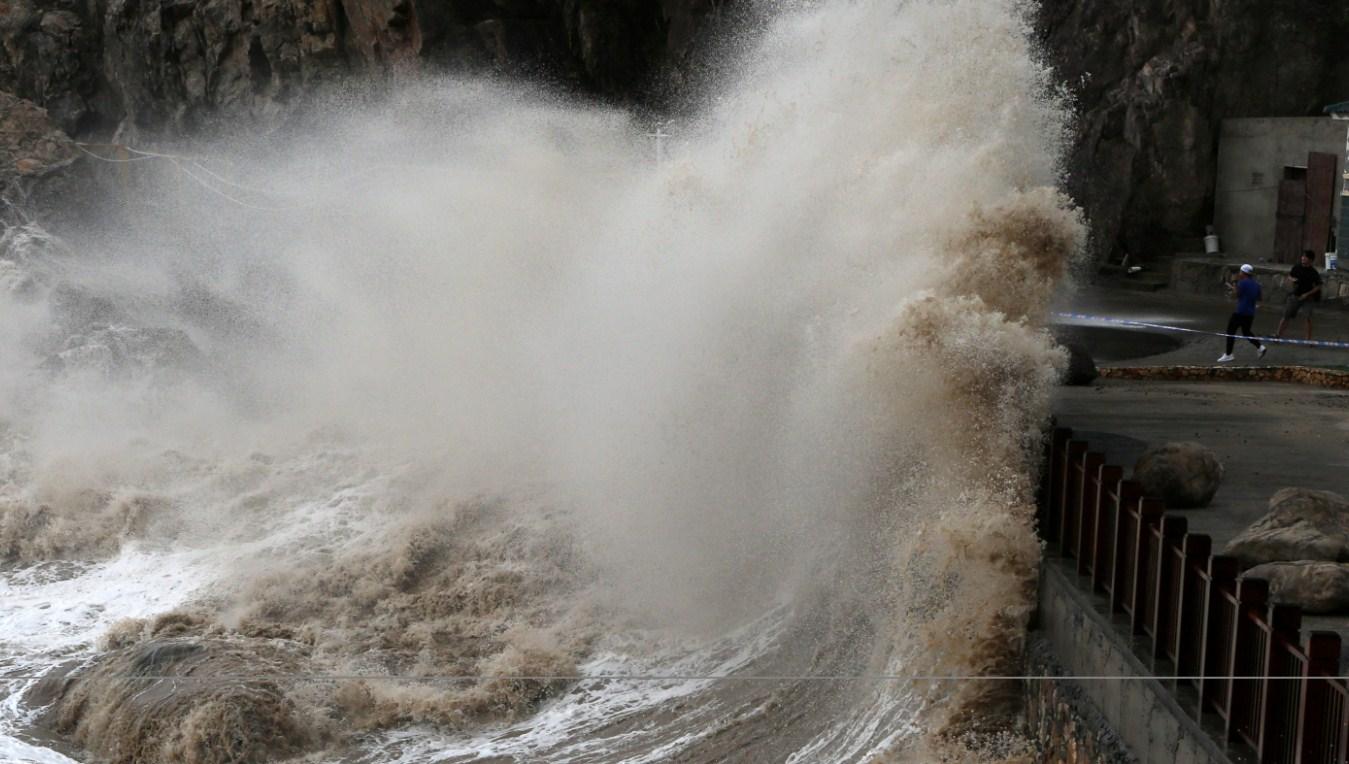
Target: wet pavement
1120, 346
1268, 435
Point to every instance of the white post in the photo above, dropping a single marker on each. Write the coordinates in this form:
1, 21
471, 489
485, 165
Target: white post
1341, 246
659, 138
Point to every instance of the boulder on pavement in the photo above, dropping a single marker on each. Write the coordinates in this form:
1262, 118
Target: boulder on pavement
1314, 586
1081, 369
1302, 524
1184, 475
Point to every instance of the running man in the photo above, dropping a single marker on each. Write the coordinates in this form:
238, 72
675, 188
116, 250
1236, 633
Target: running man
1306, 290
1247, 292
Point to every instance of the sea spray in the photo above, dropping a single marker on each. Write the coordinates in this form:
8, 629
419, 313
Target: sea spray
454, 392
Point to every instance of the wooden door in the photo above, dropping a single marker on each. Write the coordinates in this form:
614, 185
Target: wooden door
1322, 172
1288, 233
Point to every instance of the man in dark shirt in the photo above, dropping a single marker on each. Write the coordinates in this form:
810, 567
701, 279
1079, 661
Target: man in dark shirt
1304, 294
1247, 291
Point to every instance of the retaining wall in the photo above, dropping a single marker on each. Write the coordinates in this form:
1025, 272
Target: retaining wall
1136, 707
1207, 275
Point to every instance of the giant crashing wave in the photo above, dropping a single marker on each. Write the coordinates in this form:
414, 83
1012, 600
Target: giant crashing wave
462, 429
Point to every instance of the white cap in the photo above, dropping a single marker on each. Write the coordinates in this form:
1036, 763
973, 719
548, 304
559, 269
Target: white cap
1247, 269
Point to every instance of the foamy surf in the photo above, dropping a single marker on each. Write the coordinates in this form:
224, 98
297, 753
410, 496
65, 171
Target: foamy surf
623, 683
535, 449
52, 613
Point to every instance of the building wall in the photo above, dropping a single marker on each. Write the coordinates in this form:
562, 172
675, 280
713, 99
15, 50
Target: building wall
1251, 156
1206, 275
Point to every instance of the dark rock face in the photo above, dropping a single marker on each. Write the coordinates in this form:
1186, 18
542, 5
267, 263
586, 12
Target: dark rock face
35, 160
50, 54
1184, 475
167, 67
1154, 80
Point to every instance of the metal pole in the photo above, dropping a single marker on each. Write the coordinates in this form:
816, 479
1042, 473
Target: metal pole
658, 138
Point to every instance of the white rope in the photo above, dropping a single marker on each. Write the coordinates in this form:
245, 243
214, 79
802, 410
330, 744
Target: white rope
155, 155
112, 160
181, 161
235, 184
273, 208
1163, 327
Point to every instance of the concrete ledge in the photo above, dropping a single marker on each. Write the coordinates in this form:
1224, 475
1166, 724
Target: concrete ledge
1202, 275
1302, 375
1142, 709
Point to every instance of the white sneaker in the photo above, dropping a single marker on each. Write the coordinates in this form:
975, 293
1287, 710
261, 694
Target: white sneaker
1261, 351
1226, 357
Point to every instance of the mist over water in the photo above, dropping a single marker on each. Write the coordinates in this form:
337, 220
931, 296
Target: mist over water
466, 384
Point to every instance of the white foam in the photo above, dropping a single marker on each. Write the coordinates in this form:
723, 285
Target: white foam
695, 356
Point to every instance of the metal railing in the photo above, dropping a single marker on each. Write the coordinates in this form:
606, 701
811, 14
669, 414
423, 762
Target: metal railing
1246, 660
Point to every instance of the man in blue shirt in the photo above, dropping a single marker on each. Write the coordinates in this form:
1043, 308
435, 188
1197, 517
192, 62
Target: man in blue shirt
1248, 296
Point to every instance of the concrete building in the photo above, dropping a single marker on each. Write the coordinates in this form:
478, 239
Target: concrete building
1252, 157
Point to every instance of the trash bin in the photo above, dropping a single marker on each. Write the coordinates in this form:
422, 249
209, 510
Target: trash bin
1211, 244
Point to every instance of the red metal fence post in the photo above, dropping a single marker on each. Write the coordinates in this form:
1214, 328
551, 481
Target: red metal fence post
1053, 495
1272, 732
1149, 516
1190, 609
1072, 496
1314, 742
1166, 594
1086, 518
1222, 576
1103, 555
1125, 497
1252, 597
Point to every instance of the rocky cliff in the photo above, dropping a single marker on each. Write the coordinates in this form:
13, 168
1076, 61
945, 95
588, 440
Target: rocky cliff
178, 66
149, 71
1153, 79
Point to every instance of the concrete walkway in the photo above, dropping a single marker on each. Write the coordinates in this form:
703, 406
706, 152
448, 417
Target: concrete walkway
1115, 346
1268, 435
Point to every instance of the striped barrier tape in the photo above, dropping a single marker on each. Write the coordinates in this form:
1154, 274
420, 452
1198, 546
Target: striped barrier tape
1164, 327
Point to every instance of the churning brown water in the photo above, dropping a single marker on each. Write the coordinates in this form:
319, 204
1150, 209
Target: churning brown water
460, 429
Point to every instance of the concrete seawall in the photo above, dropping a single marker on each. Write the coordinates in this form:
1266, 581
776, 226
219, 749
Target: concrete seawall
1069, 728
1120, 711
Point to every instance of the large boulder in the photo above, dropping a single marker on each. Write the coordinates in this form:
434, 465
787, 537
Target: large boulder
1302, 524
1184, 475
1316, 587
1081, 369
